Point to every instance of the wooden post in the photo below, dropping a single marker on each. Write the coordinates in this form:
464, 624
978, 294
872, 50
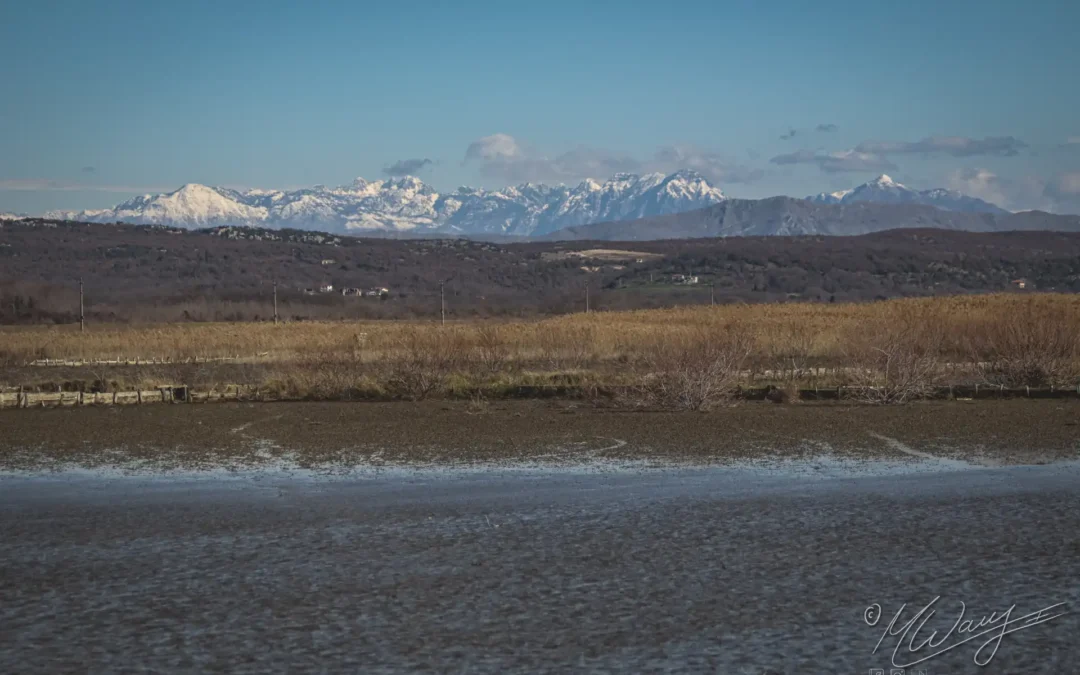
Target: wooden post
587, 298
712, 293
82, 313
275, 304
442, 302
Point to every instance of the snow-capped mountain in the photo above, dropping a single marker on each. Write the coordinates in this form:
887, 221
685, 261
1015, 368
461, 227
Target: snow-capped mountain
12, 216
884, 190
409, 205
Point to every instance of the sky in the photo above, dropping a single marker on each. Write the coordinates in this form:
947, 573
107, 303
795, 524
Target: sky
100, 101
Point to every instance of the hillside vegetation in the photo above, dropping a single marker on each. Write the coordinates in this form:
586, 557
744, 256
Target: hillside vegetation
155, 274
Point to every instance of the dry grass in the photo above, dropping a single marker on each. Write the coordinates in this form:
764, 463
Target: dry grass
894, 350
693, 368
897, 358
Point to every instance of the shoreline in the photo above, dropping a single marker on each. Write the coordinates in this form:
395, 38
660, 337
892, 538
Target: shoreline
329, 438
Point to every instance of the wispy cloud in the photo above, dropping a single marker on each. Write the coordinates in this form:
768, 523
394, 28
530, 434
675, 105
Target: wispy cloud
713, 165
1059, 193
837, 162
45, 185
984, 184
406, 167
956, 146
1063, 191
504, 157
827, 128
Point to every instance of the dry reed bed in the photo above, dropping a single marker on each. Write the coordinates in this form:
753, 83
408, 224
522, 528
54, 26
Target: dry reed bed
681, 358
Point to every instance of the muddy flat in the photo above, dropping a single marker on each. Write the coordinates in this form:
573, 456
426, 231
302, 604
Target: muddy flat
345, 435
539, 538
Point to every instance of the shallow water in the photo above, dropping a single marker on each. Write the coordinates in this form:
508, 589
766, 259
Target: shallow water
754, 567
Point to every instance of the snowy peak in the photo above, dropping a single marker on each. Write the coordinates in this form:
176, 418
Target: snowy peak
885, 190
408, 204
884, 181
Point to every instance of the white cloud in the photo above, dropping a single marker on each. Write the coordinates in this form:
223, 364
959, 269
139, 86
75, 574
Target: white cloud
981, 183
1063, 191
713, 165
1059, 194
496, 147
504, 157
836, 162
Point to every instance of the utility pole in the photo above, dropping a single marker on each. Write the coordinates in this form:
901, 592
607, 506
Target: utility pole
586, 298
82, 312
275, 303
712, 293
442, 302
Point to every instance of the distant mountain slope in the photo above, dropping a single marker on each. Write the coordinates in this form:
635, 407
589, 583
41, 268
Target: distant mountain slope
787, 216
409, 205
884, 190
12, 216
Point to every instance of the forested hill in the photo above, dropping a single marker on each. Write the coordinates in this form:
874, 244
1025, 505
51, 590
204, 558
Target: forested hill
156, 273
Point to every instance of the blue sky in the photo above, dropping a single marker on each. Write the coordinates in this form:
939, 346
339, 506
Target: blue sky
103, 100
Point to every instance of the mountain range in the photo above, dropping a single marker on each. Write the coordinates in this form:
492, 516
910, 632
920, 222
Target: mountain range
625, 207
785, 216
409, 205
884, 190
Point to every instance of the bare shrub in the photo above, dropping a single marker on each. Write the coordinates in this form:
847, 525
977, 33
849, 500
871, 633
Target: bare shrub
491, 351
424, 362
1034, 346
789, 352
566, 346
895, 358
332, 371
323, 380
694, 368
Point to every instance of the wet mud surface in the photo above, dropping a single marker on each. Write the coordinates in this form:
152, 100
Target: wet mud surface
177, 539
700, 571
332, 435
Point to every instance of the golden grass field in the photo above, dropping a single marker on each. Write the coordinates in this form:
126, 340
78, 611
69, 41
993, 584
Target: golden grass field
1034, 336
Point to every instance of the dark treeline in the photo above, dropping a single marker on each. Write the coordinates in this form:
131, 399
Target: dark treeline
135, 273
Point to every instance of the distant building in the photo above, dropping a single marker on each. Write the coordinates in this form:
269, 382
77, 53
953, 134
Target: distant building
1021, 283
326, 288
328, 261
351, 291
683, 279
